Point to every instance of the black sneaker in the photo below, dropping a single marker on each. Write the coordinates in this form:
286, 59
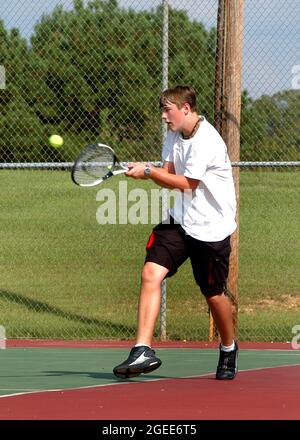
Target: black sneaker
140, 360
227, 366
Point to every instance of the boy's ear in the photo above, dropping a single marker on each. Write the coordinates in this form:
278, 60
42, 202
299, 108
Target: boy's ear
186, 108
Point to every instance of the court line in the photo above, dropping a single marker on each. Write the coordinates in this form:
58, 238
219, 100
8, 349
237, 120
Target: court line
149, 380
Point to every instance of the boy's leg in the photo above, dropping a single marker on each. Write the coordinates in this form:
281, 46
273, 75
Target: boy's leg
142, 358
166, 251
221, 311
210, 261
150, 299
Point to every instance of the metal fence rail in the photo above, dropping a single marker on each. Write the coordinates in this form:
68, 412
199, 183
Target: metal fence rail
66, 165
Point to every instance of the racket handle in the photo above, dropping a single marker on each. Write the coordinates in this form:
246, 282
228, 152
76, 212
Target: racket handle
114, 173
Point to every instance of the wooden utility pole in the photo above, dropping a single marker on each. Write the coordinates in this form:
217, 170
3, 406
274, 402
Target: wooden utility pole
218, 106
230, 109
231, 123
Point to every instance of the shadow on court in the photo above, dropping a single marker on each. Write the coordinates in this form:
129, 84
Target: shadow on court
96, 375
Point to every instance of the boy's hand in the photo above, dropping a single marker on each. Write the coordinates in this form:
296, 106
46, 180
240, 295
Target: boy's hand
136, 170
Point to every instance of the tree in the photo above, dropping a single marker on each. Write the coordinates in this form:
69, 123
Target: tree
270, 127
94, 73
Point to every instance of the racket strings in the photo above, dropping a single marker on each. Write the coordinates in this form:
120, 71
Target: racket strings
94, 164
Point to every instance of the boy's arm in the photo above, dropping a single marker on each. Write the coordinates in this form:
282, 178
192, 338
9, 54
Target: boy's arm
164, 176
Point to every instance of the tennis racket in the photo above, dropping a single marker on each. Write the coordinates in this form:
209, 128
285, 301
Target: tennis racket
95, 164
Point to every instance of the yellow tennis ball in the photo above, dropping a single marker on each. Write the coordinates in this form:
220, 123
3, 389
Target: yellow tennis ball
56, 141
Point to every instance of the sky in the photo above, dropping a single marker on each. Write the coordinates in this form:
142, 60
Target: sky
271, 51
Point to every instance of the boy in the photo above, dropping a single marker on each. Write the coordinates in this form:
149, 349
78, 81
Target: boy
203, 218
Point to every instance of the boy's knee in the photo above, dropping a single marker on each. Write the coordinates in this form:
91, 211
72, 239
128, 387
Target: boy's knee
216, 298
152, 273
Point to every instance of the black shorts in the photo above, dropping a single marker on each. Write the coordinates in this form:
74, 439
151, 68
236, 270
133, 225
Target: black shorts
169, 246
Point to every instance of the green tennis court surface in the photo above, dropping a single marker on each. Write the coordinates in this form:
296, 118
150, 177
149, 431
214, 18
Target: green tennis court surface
24, 370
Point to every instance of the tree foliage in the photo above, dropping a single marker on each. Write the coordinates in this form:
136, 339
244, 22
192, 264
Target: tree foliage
270, 127
95, 74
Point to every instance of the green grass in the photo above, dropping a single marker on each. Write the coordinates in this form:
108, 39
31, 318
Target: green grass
269, 234
65, 276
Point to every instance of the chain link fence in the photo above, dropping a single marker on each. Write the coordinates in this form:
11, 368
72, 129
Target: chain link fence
92, 71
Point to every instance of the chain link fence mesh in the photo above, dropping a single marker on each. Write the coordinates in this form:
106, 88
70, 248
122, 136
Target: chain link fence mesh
92, 71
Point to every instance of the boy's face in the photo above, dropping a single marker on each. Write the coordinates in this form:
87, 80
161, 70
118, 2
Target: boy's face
173, 116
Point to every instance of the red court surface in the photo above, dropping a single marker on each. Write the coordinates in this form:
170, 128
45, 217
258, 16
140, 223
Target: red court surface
39, 343
252, 395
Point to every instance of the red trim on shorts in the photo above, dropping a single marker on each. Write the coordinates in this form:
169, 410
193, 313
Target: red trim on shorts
150, 241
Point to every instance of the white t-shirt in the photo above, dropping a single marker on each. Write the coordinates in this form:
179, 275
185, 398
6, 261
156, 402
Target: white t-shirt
207, 213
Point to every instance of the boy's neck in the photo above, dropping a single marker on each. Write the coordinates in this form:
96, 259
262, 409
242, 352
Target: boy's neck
192, 128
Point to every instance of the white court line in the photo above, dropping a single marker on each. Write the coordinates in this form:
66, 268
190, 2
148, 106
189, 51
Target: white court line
149, 380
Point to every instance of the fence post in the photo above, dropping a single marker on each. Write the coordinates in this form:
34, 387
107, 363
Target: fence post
165, 80
219, 67
2, 337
